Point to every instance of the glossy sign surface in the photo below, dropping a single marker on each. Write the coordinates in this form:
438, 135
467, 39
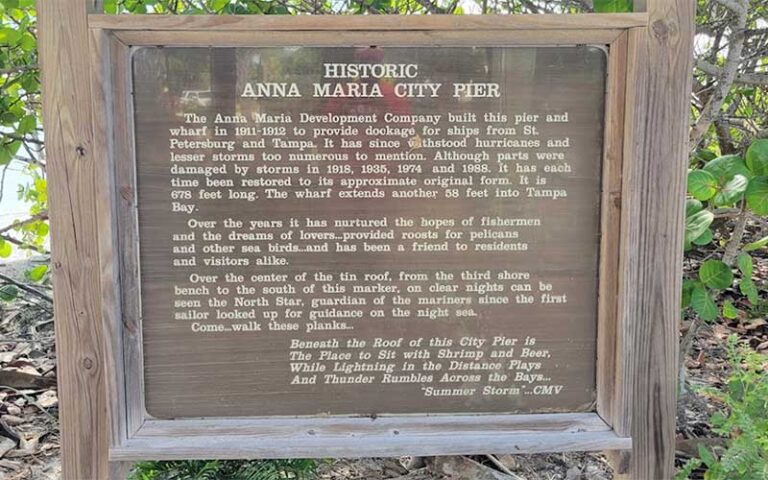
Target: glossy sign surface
364, 231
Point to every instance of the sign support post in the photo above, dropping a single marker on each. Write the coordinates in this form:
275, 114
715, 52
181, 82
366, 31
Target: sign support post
73, 176
657, 144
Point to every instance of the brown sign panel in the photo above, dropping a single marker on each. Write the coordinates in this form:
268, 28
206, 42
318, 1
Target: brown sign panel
365, 231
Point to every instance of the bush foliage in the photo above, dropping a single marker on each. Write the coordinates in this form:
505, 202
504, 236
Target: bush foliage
225, 470
743, 421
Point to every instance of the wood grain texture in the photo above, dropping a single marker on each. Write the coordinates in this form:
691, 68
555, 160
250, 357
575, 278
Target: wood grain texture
119, 470
659, 124
492, 37
124, 197
444, 443
620, 461
125, 186
384, 436
367, 22
73, 180
637, 60
109, 87
108, 238
292, 38
287, 427
610, 249
640, 6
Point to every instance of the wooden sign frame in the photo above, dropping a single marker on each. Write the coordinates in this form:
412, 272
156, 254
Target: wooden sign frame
146, 437
88, 117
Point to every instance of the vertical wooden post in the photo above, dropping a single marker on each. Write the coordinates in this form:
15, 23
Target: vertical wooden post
63, 50
656, 144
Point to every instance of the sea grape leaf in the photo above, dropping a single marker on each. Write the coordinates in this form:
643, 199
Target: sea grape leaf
744, 262
702, 185
730, 311
715, 274
702, 303
731, 191
697, 224
757, 195
757, 157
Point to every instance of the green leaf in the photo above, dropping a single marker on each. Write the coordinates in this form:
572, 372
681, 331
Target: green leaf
5, 249
731, 191
697, 224
688, 286
757, 195
702, 185
686, 471
757, 157
692, 206
5, 154
29, 83
13, 147
705, 155
748, 289
9, 36
717, 419
756, 245
8, 292
37, 273
8, 118
26, 125
702, 303
744, 262
42, 229
715, 274
28, 42
41, 184
612, 6
726, 167
110, 7
217, 5
704, 239
706, 456
730, 311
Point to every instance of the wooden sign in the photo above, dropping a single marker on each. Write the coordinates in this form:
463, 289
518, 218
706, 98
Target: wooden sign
370, 236
362, 244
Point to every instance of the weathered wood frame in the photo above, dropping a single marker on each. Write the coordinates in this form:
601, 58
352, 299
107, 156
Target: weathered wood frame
338, 436
98, 326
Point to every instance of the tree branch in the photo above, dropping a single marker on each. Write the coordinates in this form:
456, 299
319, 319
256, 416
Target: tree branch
430, 7
727, 76
26, 288
734, 243
744, 78
756, 31
21, 244
18, 69
734, 6
22, 138
34, 218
